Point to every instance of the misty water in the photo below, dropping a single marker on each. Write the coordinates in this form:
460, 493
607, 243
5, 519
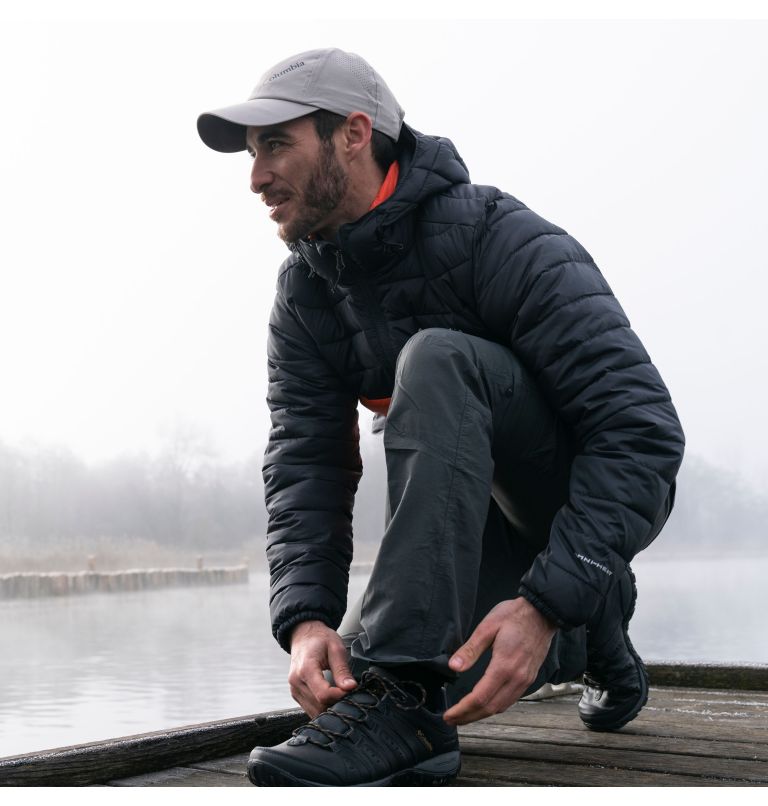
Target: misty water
84, 668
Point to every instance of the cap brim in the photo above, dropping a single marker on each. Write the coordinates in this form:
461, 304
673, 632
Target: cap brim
224, 129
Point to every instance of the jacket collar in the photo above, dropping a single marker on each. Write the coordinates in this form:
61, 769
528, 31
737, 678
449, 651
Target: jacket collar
428, 165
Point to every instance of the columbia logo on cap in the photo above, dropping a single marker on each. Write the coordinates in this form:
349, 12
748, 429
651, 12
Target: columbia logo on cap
287, 70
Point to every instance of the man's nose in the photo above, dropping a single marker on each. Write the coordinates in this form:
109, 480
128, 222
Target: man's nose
260, 177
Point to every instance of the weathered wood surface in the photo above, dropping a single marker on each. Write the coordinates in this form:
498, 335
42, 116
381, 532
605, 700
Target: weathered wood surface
751, 677
134, 755
683, 737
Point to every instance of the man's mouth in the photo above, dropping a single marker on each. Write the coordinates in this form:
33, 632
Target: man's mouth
276, 205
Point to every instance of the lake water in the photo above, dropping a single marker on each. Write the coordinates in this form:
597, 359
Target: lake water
84, 668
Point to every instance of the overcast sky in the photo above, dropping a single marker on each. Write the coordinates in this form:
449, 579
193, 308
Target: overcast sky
137, 269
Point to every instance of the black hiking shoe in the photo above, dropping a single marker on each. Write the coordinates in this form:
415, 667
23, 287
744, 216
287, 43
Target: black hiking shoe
615, 681
380, 734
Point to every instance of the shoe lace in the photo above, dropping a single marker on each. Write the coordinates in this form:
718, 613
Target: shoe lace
377, 687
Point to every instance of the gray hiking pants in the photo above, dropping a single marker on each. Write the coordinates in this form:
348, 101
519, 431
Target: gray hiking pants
478, 466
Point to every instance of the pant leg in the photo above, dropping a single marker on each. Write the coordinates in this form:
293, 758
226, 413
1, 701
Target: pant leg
505, 559
466, 423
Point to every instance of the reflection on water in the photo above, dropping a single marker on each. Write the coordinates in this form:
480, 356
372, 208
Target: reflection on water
84, 668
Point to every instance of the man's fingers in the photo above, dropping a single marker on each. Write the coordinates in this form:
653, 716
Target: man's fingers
315, 649
340, 668
496, 690
316, 695
315, 681
478, 704
465, 656
470, 709
486, 699
330, 697
306, 700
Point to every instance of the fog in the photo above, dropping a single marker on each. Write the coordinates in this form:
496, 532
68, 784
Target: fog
56, 509
138, 269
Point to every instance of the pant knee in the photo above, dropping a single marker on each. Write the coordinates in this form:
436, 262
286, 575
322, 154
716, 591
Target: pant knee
434, 376
432, 352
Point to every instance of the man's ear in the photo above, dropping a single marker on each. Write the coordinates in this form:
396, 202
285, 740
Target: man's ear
357, 131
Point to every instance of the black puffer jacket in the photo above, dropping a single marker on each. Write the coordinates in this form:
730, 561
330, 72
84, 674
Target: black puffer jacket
444, 253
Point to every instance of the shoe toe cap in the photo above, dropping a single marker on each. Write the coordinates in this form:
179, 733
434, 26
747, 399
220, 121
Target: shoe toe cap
284, 766
603, 709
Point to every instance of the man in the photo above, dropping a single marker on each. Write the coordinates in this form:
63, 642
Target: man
531, 445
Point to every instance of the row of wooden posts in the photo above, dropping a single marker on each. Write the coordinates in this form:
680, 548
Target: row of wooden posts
32, 585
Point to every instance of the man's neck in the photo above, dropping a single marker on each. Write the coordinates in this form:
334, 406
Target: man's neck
363, 188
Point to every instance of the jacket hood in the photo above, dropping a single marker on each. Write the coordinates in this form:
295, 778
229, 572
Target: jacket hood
428, 166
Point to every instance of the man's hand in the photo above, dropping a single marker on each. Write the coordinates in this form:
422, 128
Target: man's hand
315, 647
520, 636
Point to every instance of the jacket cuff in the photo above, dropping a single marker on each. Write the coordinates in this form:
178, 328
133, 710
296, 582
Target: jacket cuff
568, 594
282, 632
544, 608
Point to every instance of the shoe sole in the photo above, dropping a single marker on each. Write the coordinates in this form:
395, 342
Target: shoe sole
616, 724
437, 771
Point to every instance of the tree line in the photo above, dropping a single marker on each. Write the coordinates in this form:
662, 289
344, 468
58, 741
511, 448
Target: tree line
49, 494
184, 497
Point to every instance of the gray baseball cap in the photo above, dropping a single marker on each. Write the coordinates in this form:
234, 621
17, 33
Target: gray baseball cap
330, 79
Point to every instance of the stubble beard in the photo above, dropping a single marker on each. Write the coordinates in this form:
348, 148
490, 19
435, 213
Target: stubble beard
325, 189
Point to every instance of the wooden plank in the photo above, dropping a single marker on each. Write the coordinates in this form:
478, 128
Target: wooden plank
745, 711
704, 714
616, 758
236, 764
133, 755
702, 748
746, 706
506, 772
755, 703
184, 776
644, 725
467, 781
734, 677
693, 714
33, 585
195, 774
666, 691
698, 723
757, 700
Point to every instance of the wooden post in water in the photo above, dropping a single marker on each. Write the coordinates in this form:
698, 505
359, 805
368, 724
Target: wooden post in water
28, 585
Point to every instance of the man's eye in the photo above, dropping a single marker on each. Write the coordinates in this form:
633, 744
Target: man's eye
274, 145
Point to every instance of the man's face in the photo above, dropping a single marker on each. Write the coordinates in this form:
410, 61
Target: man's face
298, 176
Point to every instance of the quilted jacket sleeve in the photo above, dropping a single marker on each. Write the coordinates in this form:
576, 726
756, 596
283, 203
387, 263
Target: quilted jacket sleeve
311, 471
542, 294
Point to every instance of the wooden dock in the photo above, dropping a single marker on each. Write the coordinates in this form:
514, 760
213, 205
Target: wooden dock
34, 585
703, 726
